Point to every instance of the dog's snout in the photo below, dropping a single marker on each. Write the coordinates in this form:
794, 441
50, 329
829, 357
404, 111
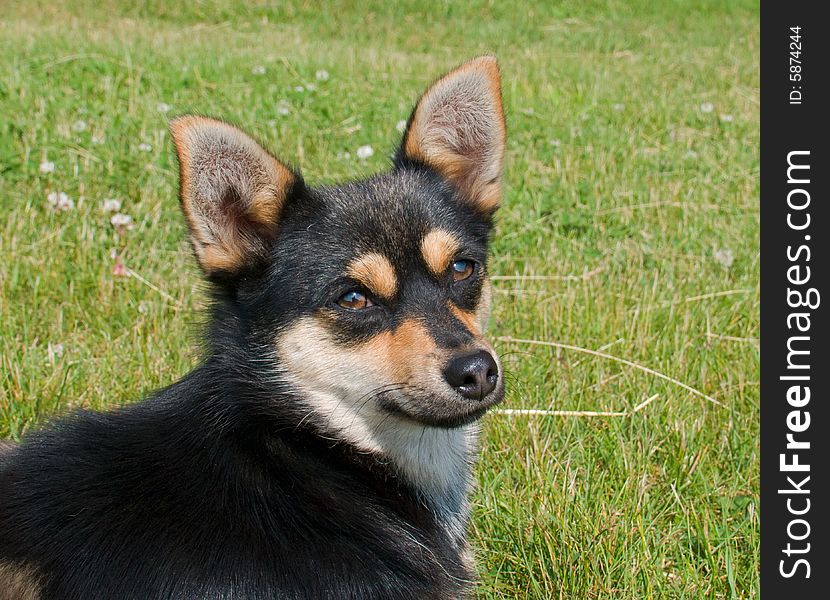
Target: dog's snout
473, 375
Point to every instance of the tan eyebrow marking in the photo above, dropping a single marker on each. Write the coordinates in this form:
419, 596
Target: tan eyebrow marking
375, 272
438, 248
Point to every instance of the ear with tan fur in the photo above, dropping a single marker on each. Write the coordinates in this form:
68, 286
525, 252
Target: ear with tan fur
457, 128
232, 193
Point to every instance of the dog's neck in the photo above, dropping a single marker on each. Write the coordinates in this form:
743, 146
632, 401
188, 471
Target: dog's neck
435, 462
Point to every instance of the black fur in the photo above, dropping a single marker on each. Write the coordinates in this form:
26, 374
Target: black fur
193, 494
219, 486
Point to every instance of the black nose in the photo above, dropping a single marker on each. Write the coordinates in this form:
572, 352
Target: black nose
473, 375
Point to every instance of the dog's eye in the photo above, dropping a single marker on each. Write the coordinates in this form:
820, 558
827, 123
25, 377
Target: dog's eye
462, 269
354, 300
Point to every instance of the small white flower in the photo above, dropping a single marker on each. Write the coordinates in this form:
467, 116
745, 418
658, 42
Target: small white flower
618, 106
258, 70
65, 202
322, 75
60, 201
400, 126
283, 108
555, 143
310, 87
145, 147
690, 155
528, 111
707, 107
111, 205
364, 152
143, 307
98, 138
724, 256
120, 220
727, 118
47, 166
299, 88
79, 126
54, 351
163, 107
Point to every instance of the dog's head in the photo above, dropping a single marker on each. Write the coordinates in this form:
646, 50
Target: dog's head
367, 300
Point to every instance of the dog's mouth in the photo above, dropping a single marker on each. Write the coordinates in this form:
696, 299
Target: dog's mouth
445, 410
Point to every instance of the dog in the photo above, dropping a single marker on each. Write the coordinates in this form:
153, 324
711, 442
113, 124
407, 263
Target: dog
323, 446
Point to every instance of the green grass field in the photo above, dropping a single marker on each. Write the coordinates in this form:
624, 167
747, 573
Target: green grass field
630, 227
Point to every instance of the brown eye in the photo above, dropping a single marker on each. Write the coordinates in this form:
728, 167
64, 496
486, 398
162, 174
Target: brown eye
354, 300
462, 269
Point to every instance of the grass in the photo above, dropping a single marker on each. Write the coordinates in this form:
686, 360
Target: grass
632, 200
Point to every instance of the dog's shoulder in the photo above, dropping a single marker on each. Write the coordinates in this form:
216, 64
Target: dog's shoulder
220, 508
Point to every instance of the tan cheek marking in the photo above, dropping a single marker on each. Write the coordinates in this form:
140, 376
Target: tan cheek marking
18, 582
406, 352
391, 357
375, 272
438, 248
476, 321
309, 353
468, 319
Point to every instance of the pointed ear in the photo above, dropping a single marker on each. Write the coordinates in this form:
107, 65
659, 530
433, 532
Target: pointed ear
457, 128
232, 193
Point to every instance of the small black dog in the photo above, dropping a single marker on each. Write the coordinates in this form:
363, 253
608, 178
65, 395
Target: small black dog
323, 448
